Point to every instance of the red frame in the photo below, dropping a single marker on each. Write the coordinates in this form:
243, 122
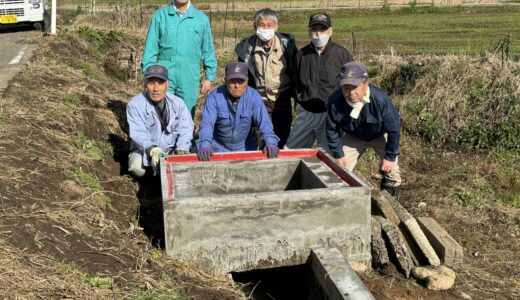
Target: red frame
167, 177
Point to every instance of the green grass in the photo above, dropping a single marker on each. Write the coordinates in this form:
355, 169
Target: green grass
88, 146
92, 182
454, 30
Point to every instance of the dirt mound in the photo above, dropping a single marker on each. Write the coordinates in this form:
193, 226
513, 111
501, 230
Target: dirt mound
72, 218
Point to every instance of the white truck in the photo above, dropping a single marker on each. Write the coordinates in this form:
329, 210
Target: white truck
23, 11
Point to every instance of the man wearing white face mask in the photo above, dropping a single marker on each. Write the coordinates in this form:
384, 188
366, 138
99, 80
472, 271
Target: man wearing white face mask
318, 68
270, 57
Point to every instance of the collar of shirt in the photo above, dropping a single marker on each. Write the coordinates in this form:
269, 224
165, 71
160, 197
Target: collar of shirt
174, 10
358, 106
275, 46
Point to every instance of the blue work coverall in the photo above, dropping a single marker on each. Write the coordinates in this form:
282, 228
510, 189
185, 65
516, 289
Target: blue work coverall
228, 131
145, 125
179, 43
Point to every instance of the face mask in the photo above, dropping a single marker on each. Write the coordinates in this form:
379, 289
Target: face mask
265, 34
320, 40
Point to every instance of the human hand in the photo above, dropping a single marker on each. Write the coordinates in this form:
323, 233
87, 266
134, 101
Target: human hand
387, 166
343, 161
155, 154
206, 87
205, 153
272, 150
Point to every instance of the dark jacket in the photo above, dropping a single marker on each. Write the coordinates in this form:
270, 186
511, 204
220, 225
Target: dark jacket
376, 118
244, 51
318, 75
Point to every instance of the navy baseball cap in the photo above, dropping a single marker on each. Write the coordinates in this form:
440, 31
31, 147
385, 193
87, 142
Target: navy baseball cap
353, 73
321, 19
237, 70
156, 71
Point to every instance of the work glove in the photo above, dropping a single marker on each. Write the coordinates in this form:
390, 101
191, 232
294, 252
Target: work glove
155, 154
180, 152
205, 153
272, 150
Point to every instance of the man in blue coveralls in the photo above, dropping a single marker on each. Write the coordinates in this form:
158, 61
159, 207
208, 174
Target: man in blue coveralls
228, 115
179, 37
159, 123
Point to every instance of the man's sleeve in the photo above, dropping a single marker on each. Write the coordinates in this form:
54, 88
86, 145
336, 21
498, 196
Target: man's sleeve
333, 133
185, 128
263, 121
151, 46
138, 132
208, 54
207, 122
392, 126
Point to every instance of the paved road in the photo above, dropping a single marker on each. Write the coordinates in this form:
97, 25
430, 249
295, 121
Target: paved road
14, 52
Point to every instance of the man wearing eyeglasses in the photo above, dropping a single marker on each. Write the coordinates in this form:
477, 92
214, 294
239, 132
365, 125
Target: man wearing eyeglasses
318, 68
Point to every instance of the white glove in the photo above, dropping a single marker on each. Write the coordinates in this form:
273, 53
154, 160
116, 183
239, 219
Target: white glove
155, 153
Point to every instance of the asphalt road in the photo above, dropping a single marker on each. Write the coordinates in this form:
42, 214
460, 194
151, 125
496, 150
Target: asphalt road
15, 52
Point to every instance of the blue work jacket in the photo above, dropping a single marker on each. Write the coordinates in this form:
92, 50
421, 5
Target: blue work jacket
376, 118
145, 125
227, 131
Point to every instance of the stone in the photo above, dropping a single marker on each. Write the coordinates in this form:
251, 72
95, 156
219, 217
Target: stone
435, 278
379, 252
397, 249
448, 250
382, 204
413, 228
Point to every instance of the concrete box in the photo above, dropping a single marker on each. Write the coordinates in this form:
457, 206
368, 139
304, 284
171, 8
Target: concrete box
241, 211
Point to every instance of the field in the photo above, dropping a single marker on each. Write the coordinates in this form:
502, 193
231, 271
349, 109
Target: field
75, 225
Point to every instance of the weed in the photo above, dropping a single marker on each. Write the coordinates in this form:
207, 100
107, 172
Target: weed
92, 182
160, 294
71, 99
430, 127
89, 146
96, 281
385, 7
4, 118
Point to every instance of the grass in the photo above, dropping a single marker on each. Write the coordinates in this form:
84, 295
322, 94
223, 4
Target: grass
88, 146
92, 182
425, 30
160, 295
93, 281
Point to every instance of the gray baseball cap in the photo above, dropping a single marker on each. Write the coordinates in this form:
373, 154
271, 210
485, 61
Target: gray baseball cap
236, 70
353, 73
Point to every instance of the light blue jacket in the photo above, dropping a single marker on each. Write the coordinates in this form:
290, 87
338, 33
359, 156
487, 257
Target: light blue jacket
227, 131
145, 125
179, 43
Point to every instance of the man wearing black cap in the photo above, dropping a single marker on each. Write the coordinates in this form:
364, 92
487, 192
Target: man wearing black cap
318, 66
159, 122
368, 118
229, 113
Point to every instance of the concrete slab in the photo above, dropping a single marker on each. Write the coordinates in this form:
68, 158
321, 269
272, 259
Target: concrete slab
243, 215
450, 252
397, 246
412, 227
335, 276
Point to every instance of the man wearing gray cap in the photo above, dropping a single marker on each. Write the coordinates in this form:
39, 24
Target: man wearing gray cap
368, 118
228, 115
318, 65
159, 122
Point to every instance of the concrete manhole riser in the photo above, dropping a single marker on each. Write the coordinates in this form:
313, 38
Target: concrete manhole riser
243, 213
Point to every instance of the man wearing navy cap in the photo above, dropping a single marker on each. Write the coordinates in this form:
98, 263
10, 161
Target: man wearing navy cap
159, 122
228, 115
368, 118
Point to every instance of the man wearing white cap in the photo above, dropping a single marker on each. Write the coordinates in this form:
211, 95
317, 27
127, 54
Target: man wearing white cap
368, 118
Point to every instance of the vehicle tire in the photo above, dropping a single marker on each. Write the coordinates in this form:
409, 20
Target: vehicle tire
38, 26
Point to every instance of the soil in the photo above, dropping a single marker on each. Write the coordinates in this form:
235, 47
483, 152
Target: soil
61, 235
